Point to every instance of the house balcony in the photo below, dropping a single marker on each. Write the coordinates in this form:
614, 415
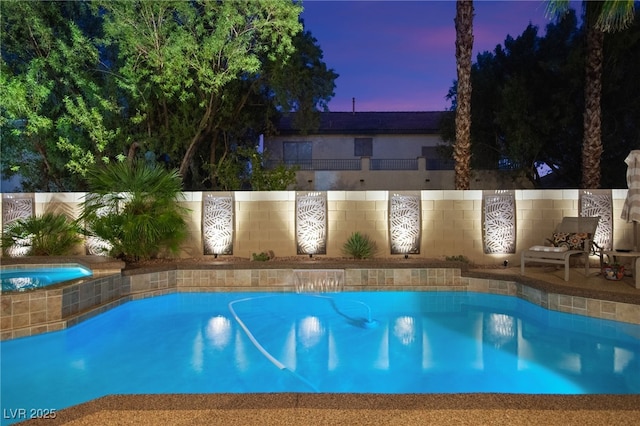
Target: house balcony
366, 163
367, 173
320, 164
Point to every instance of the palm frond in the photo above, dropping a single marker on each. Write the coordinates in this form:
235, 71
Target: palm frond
616, 15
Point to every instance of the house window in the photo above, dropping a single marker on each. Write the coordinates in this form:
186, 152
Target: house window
363, 147
435, 160
297, 152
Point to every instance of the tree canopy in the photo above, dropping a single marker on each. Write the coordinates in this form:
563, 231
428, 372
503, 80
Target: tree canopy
528, 104
184, 84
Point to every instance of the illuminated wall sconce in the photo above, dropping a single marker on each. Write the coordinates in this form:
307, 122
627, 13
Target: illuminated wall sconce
217, 223
16, 207
498, 222
404, 223
311, 223
598, 202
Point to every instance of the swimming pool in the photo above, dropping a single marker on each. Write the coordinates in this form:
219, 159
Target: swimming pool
352, 342
23, 277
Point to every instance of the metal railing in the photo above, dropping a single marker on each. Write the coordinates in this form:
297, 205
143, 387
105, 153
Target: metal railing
393, 164
388, 164
321, 164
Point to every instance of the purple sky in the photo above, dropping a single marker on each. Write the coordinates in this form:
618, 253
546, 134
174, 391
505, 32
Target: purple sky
400, 55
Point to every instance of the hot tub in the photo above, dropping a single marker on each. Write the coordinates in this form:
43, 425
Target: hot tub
24, 277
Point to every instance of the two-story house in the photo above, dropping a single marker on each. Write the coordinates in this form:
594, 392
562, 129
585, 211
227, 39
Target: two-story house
365, 151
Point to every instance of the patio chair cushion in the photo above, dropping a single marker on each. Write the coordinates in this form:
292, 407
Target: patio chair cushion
571, 240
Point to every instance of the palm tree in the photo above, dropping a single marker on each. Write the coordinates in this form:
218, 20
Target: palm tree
600, 17
134, 208
464, 49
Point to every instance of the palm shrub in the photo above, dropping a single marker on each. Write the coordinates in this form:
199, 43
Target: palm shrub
51, 234
135, 209
359, 246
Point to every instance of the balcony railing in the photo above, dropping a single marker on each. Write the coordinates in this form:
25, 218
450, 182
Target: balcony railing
328, 164
385, 164
393, 164
389, 164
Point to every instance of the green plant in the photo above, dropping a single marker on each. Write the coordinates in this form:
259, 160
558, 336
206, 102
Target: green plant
261, 257
359, 246
51, 234
134, 207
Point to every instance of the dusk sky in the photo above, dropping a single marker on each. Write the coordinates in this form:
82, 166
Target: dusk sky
400, 55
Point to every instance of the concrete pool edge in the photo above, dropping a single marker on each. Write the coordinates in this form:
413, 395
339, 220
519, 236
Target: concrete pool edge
295, 408
34, 312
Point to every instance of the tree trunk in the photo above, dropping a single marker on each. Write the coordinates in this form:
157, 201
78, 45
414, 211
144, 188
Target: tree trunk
188, 155
592, 142
195, 141
131, 154
464, 50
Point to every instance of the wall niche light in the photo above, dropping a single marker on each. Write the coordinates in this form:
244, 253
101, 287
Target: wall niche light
598, 202
311, 222
499, 222
404, 224
15, 208
217, 223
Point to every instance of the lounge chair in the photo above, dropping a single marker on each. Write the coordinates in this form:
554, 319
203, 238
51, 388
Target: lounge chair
572, 237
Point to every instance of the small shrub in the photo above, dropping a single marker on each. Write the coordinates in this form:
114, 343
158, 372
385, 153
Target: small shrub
359, 246
51, 234
260, 257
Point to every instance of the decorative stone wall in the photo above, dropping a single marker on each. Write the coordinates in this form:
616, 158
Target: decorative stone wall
451, 222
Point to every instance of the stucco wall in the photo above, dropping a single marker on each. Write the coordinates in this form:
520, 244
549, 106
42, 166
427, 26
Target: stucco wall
451, 220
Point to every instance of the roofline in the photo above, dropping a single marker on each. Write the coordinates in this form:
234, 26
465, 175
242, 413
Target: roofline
343, 127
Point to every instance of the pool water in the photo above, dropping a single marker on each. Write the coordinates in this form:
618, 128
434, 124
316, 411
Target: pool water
24, 278
363, 342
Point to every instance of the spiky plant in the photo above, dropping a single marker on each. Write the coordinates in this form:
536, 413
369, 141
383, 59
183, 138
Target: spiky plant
51, 234
135, 208
359, 246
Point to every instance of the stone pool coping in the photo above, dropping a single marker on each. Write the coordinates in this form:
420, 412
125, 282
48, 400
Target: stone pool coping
64, 305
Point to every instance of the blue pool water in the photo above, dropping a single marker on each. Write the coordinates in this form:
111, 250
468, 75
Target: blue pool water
27, 278
370, 342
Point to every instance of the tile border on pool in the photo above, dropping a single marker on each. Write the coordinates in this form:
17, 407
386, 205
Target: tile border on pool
43, 310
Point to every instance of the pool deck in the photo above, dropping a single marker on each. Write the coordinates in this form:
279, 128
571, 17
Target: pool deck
374, 409
351, 409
